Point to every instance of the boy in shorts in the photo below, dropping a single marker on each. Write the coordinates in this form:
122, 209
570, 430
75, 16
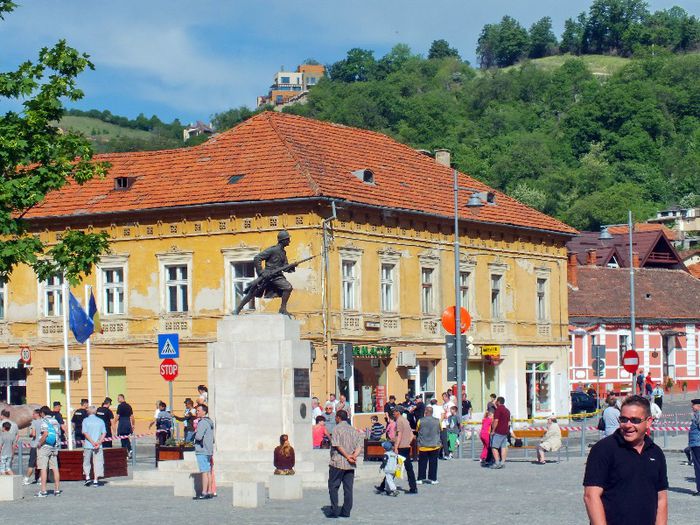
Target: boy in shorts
47, 454
6, 444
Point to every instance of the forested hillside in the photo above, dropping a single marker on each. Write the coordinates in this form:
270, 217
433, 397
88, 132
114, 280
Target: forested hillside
581, 147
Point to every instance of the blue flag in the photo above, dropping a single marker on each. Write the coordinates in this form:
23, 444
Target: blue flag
80, 324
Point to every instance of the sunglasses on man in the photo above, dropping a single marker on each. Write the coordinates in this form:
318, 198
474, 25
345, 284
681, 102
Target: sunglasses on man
633, 420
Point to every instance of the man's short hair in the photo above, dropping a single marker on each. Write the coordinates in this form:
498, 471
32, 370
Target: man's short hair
46, 410
433, 401
162, 405
107, 400
429, 410
84, 401
493, 396
57, 403
37, 411
204, 407
188, 400
638, 401
342, 415
5, 413
92, 409
328, 405
374, 418
501, 400
392, 397
7, 426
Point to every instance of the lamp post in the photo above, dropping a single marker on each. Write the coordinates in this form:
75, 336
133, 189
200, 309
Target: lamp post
475, 201
633, 344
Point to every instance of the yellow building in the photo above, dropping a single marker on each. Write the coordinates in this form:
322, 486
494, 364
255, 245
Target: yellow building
185, 225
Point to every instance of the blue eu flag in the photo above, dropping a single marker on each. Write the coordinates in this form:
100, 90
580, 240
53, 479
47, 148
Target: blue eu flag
80, 324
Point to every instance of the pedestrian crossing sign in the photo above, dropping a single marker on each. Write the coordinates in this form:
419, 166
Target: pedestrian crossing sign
168, 346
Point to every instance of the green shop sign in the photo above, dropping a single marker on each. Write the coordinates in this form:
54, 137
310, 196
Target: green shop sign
371, 351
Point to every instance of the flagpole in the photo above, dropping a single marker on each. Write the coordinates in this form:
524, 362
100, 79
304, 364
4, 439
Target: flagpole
88, 288
66, 371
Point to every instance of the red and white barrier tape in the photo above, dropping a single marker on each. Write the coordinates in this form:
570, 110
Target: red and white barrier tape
26, 444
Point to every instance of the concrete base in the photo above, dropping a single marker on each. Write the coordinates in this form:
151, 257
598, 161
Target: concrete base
285, 487
248, 495
187, 484
10, 488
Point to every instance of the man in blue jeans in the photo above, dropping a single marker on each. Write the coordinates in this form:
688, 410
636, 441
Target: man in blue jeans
204, 449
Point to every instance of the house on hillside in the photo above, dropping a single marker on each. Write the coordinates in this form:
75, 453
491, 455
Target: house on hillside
292, 86
667, 328
186, 223
194, 130
684, 221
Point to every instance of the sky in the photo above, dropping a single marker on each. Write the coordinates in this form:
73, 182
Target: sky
190, 59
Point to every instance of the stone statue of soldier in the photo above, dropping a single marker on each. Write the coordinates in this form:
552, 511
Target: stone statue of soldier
275, 258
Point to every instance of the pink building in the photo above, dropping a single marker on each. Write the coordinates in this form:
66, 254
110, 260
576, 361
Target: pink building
667, 334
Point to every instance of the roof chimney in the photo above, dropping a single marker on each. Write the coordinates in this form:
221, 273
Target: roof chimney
442, 156
635, 260
591, 257
572, 270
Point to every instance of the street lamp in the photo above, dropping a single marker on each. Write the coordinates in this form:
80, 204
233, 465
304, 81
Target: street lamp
476, 201
605, 235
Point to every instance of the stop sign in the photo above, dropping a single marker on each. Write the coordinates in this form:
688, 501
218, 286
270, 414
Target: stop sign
168, 369
630, 361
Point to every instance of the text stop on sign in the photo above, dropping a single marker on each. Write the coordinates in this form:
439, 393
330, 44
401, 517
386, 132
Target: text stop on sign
169, 369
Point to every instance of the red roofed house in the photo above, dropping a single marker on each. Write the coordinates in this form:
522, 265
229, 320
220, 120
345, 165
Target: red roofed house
186, 223
667, 325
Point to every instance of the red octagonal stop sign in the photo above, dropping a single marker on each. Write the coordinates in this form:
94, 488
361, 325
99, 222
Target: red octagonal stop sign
168, 369
630, 361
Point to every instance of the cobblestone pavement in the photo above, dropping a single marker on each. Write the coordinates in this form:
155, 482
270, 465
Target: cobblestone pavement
520, 493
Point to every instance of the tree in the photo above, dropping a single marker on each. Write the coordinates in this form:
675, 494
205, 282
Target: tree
502, 44
572, 37
358, 66
543, 42
441, 49
233, 117
36, 158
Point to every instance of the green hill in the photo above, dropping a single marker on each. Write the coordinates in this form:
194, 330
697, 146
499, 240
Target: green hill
599, 65
106, 137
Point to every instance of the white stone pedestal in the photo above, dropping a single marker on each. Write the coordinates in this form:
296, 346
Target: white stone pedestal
10, 488
259, 388
285, 487
248, 495
187, 484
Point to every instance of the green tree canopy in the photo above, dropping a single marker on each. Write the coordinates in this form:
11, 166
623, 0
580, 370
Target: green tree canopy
36, 159
543, 42
441, 49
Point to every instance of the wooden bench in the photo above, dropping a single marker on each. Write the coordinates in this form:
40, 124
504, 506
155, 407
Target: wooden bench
375, 452
527, 434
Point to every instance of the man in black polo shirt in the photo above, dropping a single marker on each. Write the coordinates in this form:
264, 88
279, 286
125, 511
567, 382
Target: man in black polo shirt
625, 480
106, 415
77, 421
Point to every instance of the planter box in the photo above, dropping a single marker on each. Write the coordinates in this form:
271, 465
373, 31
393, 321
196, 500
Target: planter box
70, 464
164, 453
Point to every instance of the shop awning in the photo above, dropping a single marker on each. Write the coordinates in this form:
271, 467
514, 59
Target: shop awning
9, 361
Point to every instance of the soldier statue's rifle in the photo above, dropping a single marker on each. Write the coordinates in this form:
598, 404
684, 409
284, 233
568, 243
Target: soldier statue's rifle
256, 288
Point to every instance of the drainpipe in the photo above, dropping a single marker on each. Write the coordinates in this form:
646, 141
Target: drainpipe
325, 292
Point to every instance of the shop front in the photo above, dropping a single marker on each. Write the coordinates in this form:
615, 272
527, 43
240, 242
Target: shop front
13, 380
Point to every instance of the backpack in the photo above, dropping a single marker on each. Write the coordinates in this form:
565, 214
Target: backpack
164, 422
51, 435
601, 422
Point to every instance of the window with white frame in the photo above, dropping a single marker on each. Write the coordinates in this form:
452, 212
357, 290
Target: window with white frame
464, 279
242, 273
427, 276
541, 300
388, 288
176, 288
623, 345
113, 291
53, 296
350, 284
496, 292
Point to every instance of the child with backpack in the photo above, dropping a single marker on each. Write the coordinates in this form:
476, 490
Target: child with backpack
164, 424
390, 463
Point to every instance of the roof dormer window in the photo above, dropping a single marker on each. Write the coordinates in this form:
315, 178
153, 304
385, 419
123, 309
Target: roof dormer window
123, 183
365, 175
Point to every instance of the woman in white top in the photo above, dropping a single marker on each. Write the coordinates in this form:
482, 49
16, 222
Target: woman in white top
551, 442
203, 398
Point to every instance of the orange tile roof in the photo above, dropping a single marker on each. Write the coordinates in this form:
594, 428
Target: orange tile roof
694, 270
285, 156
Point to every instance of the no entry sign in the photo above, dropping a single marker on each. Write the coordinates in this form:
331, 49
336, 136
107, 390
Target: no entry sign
630, 361
168, 369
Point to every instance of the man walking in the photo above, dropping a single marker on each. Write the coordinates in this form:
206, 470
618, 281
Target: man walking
402, 446
345, 447
429, 446
47, 455
694, 443
125, 422
625, 481
94, 432
106, 415
204, 450
35, 434
500, 428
